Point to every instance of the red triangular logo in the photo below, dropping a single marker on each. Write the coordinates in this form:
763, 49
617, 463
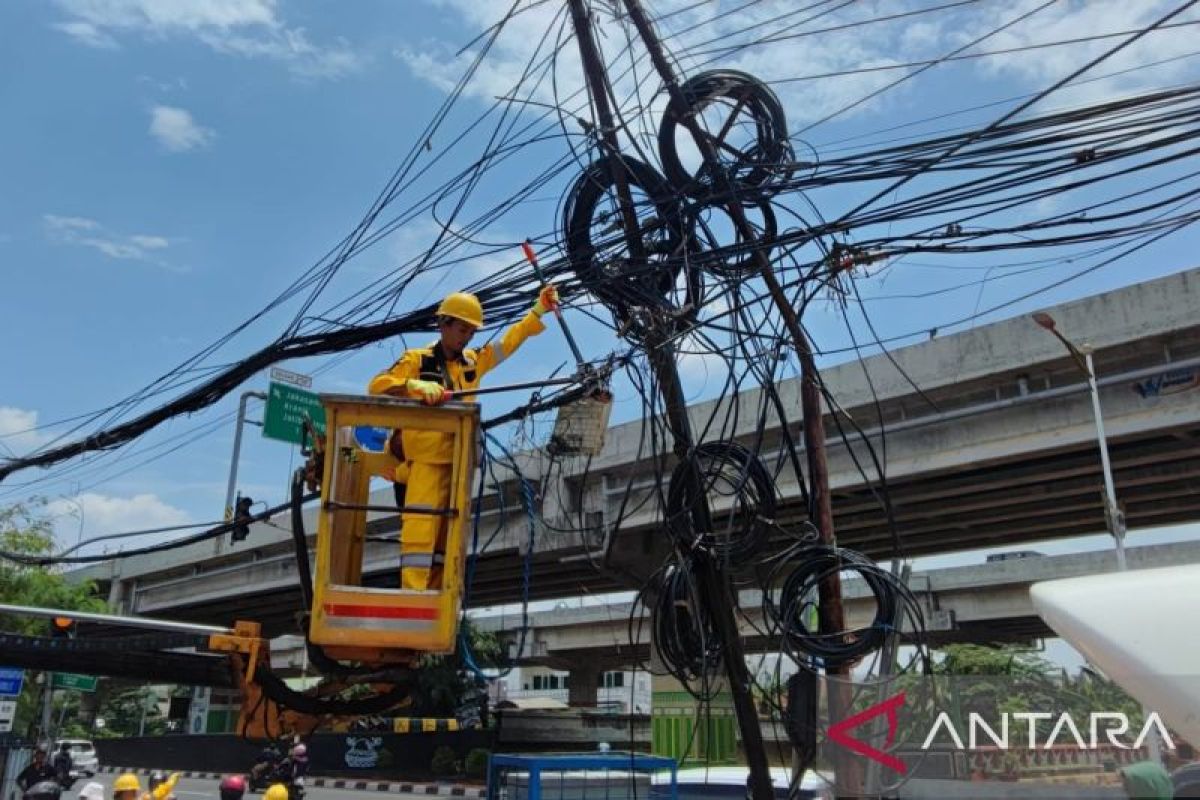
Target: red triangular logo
838, 733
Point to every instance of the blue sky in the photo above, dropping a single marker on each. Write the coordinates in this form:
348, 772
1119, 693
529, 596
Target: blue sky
168, 167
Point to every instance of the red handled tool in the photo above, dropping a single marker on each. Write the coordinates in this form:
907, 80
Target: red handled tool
531, 256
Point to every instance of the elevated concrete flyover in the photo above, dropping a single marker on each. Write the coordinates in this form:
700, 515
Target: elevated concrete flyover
997, 447
978, 603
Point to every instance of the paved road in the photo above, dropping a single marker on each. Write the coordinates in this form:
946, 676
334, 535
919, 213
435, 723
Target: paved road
197, 789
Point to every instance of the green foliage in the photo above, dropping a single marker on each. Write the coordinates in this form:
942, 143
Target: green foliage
442, 682
974, 659
992, 681
444, 763
476, 763
485, 645
122, 712
26, 529
74, 729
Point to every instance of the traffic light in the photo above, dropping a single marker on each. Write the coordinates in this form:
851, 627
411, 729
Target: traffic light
241, 519
62, 628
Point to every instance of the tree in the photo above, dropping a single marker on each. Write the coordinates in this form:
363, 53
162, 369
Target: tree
125, 709
27, 532
992, 681
443, 683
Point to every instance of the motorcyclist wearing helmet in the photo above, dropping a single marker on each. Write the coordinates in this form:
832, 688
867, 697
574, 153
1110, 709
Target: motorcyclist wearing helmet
63, 764
38, 771
160, 786
232, 787
268, 758
299, 761
427, 374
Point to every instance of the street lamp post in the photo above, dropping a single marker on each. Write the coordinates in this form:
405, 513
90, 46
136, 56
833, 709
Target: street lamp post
1113, 516
1112, 513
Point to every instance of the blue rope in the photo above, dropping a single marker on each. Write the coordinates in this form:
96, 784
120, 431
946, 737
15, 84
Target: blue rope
527, 500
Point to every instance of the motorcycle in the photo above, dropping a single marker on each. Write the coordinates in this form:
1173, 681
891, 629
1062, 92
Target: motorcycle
267, 774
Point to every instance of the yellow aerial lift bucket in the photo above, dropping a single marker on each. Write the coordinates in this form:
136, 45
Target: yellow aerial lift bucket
366, 623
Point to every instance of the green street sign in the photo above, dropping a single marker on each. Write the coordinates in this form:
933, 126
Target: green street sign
286, 407
78, 683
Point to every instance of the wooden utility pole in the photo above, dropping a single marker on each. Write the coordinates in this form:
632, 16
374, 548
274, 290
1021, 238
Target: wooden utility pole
830, 611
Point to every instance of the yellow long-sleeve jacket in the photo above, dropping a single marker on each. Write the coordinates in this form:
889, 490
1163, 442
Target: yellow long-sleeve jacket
464, 372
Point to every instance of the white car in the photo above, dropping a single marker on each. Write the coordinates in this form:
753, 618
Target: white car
84, 761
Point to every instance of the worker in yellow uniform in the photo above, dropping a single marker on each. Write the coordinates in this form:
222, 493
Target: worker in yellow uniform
426, 374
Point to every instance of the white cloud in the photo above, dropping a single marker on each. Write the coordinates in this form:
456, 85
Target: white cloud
84, 232
103, 514
411, 241
18, 434
87, 33
701, 26
246, 28
711, 34
72, 224
176, 130
150, 242
1065, 21
290, 45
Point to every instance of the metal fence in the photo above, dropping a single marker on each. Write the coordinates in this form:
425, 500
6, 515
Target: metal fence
15, 755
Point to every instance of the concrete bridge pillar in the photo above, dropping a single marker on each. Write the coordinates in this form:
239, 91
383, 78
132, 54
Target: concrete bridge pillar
582, 684
119, 600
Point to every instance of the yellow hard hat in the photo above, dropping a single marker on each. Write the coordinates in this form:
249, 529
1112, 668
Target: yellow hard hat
127, 783
461, 305
276, 792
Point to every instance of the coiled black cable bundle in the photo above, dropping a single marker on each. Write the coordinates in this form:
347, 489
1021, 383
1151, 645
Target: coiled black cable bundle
596, 250
727, 469
683, 636
763, 162
811, 564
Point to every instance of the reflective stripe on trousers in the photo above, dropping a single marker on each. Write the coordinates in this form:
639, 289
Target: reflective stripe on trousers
423, 536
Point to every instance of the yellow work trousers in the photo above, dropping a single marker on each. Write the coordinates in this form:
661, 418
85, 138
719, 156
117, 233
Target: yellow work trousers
423, 536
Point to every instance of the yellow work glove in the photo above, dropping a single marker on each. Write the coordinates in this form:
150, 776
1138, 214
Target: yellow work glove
430, 393
547, 300
164, 789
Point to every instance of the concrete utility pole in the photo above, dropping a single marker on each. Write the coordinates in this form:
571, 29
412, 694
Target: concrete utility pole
47, 709
231, 487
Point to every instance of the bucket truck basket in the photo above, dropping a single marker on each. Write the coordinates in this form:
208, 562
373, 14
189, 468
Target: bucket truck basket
357, 613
